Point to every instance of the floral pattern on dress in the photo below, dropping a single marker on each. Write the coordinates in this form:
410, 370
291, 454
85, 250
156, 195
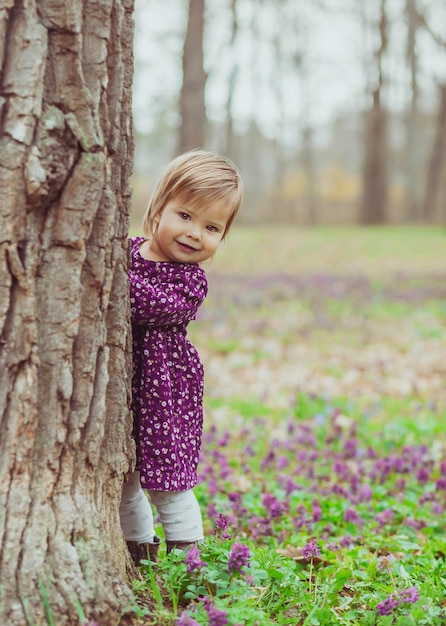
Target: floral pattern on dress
168, 377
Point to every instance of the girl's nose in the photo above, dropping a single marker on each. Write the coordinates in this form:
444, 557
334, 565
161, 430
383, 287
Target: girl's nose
194, 231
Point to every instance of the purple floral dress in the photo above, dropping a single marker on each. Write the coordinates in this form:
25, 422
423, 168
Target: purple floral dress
167, 387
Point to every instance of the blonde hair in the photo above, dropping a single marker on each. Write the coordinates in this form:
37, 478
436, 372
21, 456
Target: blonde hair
198, 178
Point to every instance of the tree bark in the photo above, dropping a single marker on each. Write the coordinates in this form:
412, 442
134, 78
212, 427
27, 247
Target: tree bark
192, 103
66, 151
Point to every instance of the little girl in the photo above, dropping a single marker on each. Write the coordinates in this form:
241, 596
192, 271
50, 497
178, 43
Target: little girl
189, 214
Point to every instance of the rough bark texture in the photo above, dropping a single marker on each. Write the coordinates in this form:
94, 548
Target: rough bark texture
65, 160
192, 105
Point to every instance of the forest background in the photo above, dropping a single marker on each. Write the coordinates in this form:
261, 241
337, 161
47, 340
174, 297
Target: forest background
334, 111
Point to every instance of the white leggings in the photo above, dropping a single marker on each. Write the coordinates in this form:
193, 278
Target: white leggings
179, 513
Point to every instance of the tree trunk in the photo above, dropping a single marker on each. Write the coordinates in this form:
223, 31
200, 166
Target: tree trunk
436, 161
374, 189
192, 105
311, 208
230, 143
412, 140
66, 152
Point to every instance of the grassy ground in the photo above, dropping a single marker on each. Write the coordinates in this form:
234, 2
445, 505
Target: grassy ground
351, 250
323, 474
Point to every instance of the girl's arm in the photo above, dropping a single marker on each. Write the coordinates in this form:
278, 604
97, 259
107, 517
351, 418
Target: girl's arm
158, 304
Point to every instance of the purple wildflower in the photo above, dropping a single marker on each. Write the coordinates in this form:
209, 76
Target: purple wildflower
333, 547
410, 595
299, 521
355, 482
370, 453
423, 475
350, 448
352, 515
413, 523
276, 508
386, 606
216, 617
385, 517
268, 460
221, 522
341, 469
259, 527
282, 462
212, 486
436, 509
288, 484
339, 490
186, 620
306, 438
316, 511
440, 485
311, 550
427, 497
193, 560
301, 509
365, 493
212, 511
224, 439
238, 557
347, 541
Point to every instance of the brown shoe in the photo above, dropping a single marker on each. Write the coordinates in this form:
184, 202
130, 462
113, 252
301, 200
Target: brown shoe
144, 551
181, 545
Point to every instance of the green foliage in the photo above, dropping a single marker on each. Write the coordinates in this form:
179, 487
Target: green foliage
388, 546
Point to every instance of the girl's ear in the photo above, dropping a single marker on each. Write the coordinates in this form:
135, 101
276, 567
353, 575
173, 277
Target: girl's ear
156, 218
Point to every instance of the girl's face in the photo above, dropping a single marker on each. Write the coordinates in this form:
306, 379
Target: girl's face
187, 235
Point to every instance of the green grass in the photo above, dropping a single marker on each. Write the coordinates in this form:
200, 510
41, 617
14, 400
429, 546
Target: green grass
372, 251
383, 543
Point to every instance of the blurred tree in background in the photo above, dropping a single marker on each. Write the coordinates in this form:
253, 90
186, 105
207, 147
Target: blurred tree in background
335, 111
374, 180
192, 103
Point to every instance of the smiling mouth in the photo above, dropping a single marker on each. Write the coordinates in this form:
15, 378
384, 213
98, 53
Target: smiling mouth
186, 247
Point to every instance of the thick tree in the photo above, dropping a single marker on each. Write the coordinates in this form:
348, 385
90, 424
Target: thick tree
65, 160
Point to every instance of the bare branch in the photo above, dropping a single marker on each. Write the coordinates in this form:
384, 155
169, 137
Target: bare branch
423, 24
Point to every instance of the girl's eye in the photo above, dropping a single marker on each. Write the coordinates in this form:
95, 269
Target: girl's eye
212, 229
184, 216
